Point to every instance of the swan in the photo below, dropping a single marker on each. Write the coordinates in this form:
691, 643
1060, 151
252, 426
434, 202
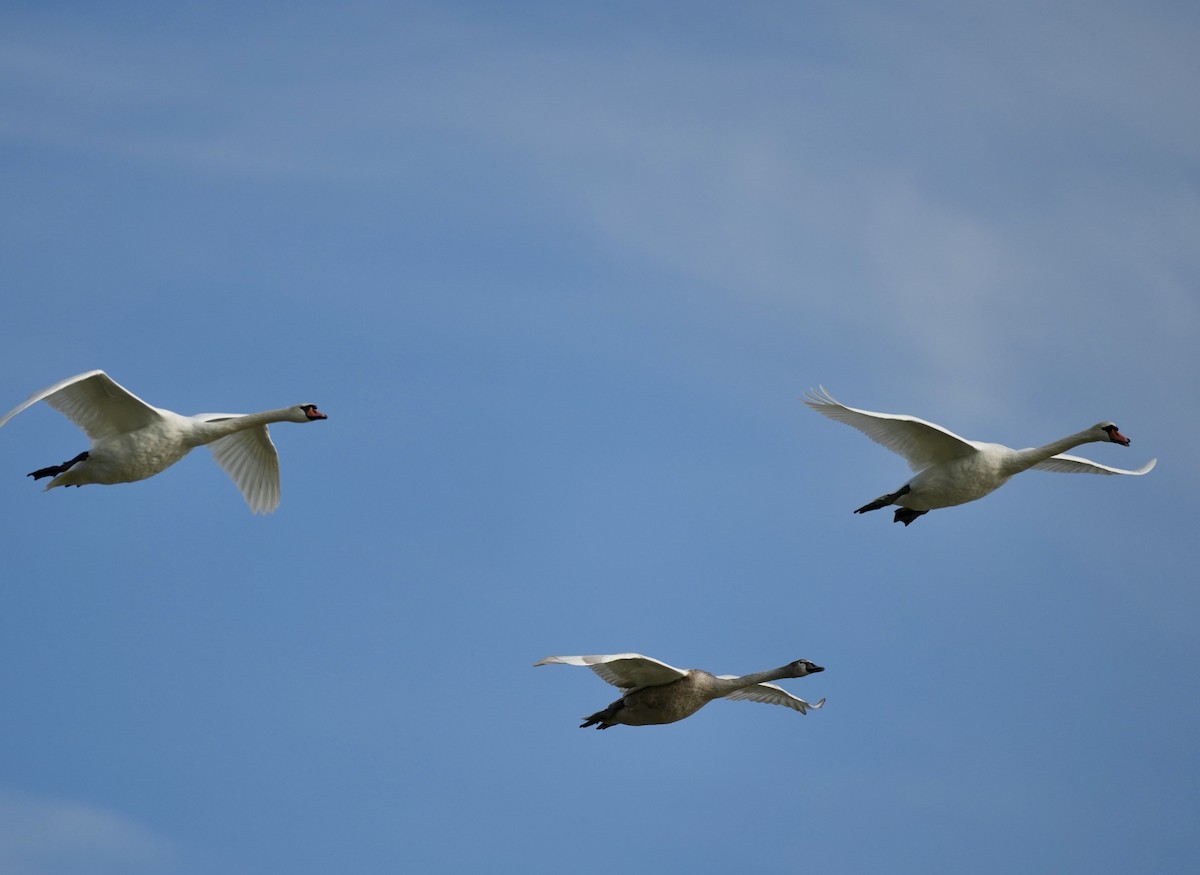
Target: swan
953, 470
653, 692
131, 440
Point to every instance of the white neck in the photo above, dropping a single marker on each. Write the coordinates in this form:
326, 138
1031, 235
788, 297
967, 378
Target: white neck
219, 428
1025, 459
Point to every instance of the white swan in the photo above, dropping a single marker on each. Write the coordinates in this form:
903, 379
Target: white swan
953, 470
653, 692
131, 440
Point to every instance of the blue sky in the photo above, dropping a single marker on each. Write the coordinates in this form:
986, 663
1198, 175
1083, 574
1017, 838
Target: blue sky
559, 276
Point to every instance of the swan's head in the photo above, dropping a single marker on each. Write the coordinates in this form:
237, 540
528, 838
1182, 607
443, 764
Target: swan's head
1111, 433
803, 667
308, 412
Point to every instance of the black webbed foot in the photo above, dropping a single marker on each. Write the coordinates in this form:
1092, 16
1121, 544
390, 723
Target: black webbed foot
907, 515
884, 500
604, 718
55, 470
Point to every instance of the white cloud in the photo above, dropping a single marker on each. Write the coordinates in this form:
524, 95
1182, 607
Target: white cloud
946, 187
40, 836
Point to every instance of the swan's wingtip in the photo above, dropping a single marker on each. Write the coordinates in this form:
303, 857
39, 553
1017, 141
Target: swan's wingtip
818, 397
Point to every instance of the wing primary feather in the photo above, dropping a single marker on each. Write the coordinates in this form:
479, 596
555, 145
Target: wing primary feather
1067, 464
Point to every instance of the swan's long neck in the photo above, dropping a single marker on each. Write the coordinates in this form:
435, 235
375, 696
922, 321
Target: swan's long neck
1025, 459
207, 432
725, 686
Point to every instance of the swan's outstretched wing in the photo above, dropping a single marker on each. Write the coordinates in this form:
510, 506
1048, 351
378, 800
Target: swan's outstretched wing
96, 403
921, 443
629, 671
1065, 464
770, 694
250, 460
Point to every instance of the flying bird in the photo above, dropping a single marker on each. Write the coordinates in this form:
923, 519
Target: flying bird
132, 440
953, 470
653, 692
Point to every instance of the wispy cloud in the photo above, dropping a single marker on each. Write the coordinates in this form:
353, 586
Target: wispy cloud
982, 195
41, 836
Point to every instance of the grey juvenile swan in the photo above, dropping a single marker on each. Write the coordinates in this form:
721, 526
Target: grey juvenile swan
131, 440
953, 470
653, 692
